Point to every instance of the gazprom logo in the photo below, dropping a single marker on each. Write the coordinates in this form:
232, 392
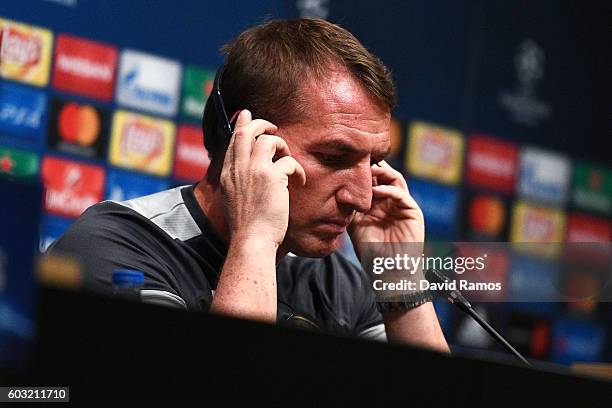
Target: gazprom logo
148, 83
544, 176
144, 94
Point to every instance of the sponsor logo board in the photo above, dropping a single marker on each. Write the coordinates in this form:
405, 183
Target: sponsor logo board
70, 187
537, 224
18, 163
592, 188
586, 228
487, 215
531, 223
148, 82
397, 139
191, 159
141, 143
434, 153
576, 341
25, 52
77, 128
197, 85
84, 67
496, 266
51, 229
125, 185
439, 204
23, 113
533, 279
529, 334
544, 176
491, 163
581, 288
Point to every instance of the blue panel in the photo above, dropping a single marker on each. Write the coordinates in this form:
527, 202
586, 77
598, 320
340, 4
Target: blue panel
23, 113
18, 241
51, 229
535, 282
576, 341
125, 185
439, 204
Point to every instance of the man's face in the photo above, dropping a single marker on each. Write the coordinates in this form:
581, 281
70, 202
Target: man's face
344, 133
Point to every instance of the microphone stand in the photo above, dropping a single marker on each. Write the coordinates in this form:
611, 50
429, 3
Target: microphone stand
456, 298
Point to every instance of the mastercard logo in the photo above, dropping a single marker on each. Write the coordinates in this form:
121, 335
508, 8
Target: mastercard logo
487, 215
78, 124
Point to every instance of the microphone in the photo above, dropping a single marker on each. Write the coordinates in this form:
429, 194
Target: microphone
456, 298
453, 296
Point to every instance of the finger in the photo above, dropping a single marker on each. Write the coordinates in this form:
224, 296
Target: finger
386, 174
246, 130
406, 213
291, 167
258, 127
244, 117
401, 197
268, 146
248, 134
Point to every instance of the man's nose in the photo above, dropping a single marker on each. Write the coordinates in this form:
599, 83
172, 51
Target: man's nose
356, 190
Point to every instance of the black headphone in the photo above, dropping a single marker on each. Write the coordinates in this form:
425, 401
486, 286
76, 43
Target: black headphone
225, 127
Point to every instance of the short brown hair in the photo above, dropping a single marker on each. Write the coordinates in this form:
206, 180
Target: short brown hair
267, 65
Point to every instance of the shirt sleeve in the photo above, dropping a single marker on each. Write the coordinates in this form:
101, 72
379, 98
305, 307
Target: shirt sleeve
366, 320
106, 238
370, 322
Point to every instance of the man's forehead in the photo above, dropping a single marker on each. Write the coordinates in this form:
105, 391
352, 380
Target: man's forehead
339, 92
343, 115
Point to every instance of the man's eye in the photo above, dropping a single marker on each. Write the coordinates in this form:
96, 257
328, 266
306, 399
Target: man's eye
331, 159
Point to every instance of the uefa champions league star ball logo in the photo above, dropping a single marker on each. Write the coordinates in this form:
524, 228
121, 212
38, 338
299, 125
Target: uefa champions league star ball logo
523, 104
529, 63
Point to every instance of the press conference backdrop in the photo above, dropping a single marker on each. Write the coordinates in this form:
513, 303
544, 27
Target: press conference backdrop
500, 127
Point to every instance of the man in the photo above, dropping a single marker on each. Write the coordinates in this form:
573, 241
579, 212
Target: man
310, 109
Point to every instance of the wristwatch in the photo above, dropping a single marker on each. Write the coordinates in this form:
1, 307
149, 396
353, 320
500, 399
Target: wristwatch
404, 302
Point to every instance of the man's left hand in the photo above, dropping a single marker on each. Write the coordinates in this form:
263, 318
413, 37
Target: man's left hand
394, 216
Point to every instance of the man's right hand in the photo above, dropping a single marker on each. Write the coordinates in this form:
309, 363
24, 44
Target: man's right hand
254, 181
